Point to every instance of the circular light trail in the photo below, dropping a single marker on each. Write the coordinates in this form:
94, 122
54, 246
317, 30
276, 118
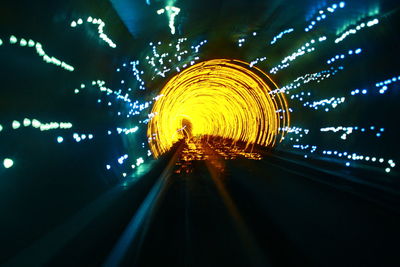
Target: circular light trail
219, 98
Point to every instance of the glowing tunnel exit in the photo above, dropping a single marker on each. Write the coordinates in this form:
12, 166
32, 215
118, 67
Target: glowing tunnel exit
219, 98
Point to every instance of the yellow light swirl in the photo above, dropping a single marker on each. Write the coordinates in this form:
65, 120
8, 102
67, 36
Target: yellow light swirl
220, 97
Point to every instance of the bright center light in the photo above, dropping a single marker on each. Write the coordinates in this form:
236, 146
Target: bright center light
8, 163
220, 98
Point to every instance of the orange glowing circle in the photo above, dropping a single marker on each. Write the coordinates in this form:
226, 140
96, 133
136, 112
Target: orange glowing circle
220, 97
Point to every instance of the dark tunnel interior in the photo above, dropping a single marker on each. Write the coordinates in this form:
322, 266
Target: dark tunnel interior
82, 185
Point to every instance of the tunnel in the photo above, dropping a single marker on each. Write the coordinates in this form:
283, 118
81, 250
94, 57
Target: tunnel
199, 133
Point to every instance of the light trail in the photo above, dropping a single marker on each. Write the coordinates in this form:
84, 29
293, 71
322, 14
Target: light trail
220, 98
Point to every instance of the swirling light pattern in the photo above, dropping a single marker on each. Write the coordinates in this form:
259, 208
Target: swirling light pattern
219, 98
314, 65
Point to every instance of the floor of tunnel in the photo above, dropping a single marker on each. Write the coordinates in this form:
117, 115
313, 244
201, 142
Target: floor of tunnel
255, 213
291, 221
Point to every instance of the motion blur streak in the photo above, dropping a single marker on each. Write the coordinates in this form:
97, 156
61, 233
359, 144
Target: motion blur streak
218, 98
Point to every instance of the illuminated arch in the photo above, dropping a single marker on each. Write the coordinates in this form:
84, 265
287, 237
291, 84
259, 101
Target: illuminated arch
220, 97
